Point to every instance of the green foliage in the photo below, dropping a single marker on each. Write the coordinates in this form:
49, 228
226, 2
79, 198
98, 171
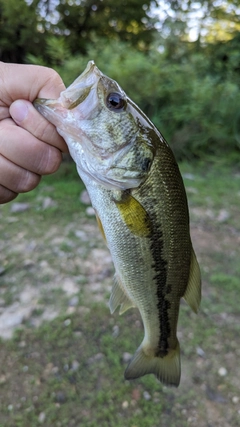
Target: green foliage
84, 21
190, 90
19, 34
195, 109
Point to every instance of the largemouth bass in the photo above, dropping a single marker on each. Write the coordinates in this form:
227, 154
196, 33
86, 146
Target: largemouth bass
141, 207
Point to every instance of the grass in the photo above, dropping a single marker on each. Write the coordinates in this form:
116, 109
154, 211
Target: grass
69, 371
215, 187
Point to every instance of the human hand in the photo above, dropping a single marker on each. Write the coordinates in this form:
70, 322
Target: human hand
29, 145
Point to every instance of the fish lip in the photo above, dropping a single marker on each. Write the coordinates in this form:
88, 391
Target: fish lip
51, 109
55, 110
78, 91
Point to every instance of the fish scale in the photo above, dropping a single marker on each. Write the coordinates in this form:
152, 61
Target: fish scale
140, 202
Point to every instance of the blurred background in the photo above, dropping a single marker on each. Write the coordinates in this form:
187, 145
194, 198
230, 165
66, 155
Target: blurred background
178, 60
62, 355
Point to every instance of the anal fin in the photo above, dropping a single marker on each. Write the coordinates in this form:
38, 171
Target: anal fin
193, 292
119, 297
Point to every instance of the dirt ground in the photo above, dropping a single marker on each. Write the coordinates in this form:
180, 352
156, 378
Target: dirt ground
43, 271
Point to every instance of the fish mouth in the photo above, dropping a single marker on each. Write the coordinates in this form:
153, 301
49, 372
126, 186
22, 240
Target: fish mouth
60, 111
79, 90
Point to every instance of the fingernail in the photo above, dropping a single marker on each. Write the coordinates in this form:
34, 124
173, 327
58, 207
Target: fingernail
19, 111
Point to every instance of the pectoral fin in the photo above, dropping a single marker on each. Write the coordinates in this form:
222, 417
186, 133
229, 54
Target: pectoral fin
134, 216
193, 292
119, 297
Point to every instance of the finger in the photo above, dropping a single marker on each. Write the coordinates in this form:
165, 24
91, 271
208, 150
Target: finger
4, 112
15, 178
6, 195
26, 116
20, 147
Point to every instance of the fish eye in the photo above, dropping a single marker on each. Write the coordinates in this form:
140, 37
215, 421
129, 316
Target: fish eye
115, 102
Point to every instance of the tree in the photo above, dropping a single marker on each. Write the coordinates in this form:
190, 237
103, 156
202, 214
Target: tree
85, 21
19, 33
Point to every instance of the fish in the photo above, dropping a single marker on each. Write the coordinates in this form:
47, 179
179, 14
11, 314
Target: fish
139, 198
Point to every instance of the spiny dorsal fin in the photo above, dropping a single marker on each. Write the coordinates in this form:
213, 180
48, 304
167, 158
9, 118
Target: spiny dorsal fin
193, 292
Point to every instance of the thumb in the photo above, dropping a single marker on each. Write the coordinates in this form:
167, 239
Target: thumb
26, 116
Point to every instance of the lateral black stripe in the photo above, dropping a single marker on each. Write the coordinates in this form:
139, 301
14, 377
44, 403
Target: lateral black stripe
163, 304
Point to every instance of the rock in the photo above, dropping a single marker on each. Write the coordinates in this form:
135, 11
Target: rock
215, 396
2, 271
67, 322
3, 379
41, 417
192, 190
203, 213
75, 365
83, 310
28, 264
136, 395
189, 176
12, 317
29, 295
84, 198
222, 372
90, 211
115, 331
96, 358
200, 352
60, 397
82, 235
73, 302
12, 219
223, 215
70, 286
19, 207
146, 395
48, 202
125, 404
126, 357
70, 311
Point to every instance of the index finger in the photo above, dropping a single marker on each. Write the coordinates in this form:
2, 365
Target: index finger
36, 124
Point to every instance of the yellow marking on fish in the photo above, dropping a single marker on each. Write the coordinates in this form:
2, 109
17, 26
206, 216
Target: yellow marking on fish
134, 216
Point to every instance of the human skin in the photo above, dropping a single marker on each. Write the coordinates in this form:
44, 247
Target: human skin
29, 145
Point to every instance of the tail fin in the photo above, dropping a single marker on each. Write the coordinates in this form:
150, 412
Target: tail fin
167, 369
